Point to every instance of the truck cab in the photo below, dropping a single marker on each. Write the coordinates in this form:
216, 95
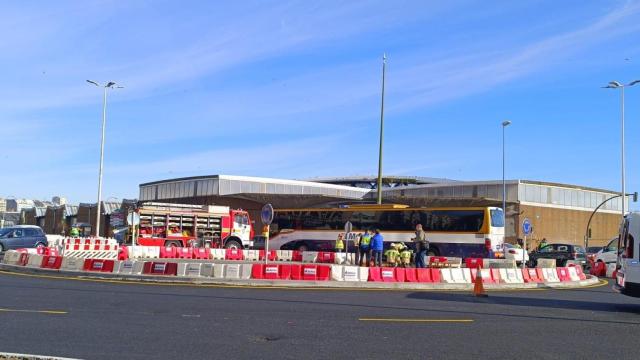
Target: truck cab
628, 266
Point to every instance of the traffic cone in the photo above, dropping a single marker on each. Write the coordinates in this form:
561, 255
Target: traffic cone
478, 288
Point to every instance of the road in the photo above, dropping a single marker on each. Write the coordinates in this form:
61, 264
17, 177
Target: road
106, 320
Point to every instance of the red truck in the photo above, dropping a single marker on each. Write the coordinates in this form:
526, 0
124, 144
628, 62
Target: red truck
181, 225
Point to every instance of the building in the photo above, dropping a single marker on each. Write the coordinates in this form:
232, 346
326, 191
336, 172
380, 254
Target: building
558, 212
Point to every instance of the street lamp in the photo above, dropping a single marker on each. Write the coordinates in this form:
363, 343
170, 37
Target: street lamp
617, 85
379, 192
504, 184
108, 85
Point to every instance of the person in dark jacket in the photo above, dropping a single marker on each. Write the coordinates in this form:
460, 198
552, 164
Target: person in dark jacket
377, 245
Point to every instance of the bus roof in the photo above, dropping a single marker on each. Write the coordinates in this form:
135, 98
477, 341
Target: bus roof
385, 207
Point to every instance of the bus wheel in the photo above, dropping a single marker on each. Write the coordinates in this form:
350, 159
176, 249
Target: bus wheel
432, 252
173, 244
232, 244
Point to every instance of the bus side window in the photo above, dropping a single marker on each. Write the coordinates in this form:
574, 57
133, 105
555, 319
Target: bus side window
629, 247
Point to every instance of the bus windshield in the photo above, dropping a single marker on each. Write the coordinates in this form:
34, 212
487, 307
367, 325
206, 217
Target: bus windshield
497, 218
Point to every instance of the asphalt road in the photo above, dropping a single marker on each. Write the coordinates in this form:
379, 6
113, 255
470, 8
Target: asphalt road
106, 320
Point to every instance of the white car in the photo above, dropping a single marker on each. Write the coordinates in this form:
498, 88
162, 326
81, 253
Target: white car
512, 252
608, 253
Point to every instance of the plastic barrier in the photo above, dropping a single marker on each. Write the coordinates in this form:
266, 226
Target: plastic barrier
598, 269
456, 275
185, 253
218, 254
284, 255
218, 271
167, 252
498, 264
310, 272
72, 264
388, 274
441, 261
353, 273
207, 269
532, 275
189, 269
563, 274
486, 275
160, 268
573, 273
99, 265
233, 254
11, 257
128, 267
495, 275
201, 253
35, 260
374, 274
251, 255
273, 255
546, 263
511, 276
123, 253
51, 262
136, 252
428, 275
237, 271
344, 259
550, 275
326, 257
296, 256
271, 271
474, 263
309, 256
151, 252
580, 273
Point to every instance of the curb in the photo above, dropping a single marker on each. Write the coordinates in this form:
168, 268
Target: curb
364, 285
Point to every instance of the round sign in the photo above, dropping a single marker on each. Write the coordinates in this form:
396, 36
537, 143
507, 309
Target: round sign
348, 227
133, 218
266, 214
527, 228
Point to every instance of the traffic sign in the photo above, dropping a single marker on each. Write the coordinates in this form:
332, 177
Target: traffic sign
133, 218
527, 228
266, 214
348, 227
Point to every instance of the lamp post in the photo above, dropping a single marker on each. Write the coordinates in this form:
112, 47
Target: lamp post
108, 85
379, 195
504, 184
617, 85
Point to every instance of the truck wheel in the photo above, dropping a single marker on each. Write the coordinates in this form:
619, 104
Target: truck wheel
432, 252
232, 244
173, 244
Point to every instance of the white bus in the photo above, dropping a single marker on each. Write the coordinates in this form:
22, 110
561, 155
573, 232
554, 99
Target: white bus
460, 231
628, 276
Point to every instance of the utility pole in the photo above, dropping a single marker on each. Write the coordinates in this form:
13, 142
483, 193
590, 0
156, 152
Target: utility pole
384, 65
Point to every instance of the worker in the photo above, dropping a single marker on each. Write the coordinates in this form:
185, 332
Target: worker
365, 248
543, 243
74, 233
339, 243
422, 245
377, 245
405, 255
393, 255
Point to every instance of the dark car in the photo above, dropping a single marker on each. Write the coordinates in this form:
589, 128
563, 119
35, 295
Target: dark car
562, 253
21, 236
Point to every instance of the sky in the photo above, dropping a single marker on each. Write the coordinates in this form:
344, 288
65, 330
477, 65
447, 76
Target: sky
293, 90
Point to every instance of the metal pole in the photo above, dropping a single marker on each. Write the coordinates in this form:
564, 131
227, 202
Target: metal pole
384, 65
623, 180
104, 121
504, 190
266, 246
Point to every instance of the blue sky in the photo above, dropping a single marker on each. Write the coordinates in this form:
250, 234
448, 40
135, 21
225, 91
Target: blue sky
292, 90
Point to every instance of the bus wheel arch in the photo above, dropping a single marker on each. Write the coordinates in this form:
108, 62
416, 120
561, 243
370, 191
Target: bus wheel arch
433, 251
233, 242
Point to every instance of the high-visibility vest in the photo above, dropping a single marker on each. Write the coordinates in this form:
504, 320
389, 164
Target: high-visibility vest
74, 232
339, 244
365, 240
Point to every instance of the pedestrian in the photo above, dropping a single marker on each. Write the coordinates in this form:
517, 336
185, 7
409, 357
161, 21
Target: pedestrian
365, 248
422, 245
74, 233
377, 245
542, 244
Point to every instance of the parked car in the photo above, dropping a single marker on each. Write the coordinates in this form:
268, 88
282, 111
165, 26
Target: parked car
512, 252
562, 253
22, 236
608, 254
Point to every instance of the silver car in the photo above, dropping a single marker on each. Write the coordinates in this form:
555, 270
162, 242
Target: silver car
21, 236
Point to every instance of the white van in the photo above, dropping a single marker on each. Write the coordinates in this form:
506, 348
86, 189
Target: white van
628, 277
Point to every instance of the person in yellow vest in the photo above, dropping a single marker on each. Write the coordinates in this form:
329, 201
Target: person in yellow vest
339, 243
364, 248
74, 233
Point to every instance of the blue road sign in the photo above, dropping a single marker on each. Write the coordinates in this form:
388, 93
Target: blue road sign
526, 226
267, 214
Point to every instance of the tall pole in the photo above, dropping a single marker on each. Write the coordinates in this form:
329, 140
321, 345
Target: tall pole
622, 126
504, 183
104, 122
384, 65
